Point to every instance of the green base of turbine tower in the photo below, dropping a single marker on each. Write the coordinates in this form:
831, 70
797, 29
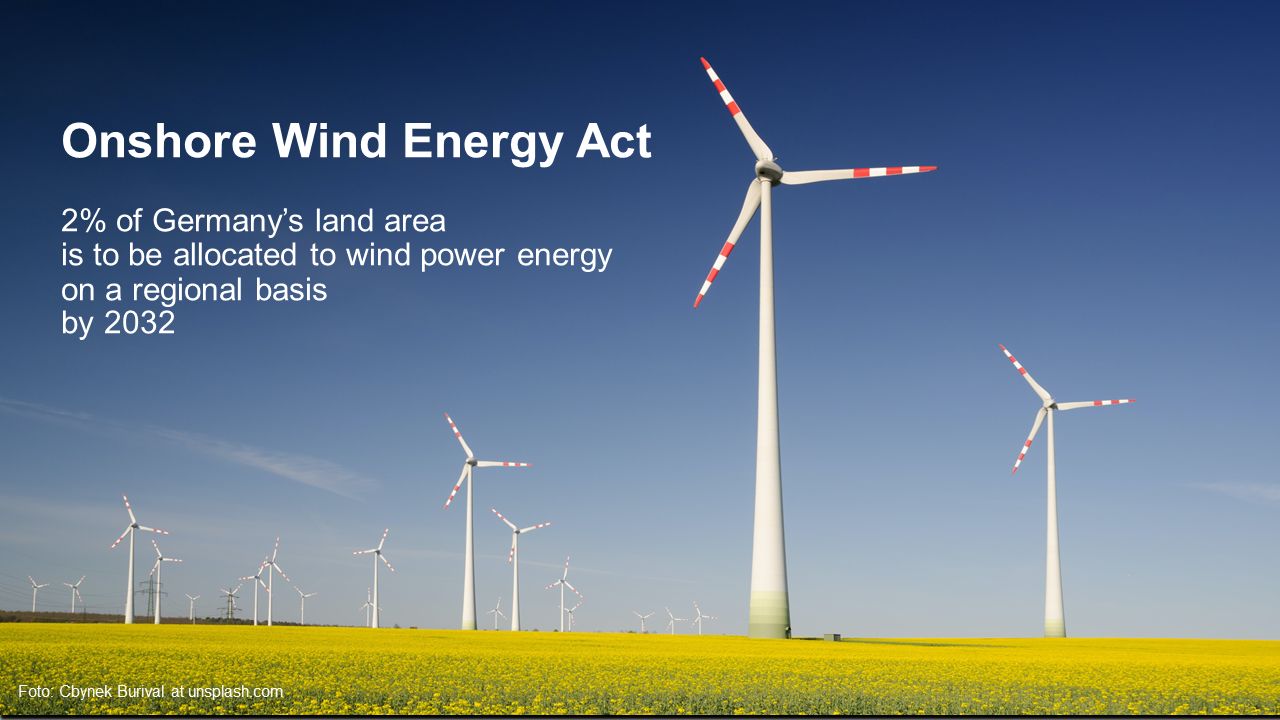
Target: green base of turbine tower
770, 616
1055, 629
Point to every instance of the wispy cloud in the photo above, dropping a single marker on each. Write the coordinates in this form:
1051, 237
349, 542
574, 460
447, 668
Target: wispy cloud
1266, 492
311, 471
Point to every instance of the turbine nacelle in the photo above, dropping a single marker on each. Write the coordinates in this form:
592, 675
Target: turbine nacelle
769, 170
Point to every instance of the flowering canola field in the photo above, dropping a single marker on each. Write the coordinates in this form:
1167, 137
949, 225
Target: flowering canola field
195, 669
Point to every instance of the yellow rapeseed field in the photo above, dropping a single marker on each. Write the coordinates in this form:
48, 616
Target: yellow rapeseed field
356, 670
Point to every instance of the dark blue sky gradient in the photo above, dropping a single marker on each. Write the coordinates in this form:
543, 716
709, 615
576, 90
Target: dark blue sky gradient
1105, 206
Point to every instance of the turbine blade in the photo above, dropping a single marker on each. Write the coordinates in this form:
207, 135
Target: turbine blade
157, 531
1093, 403
385, 561
280, 570
503, 519
275, 550
531, 528
566, 568
132, 520
365, 552
458, 486
804, 177
749, 206
157, 547
757, 144
511, 555
1035, 428
117, 542
384, 538
1044, 394
501, 463
458, 434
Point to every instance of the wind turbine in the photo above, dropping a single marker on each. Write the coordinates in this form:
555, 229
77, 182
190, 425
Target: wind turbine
574, 609
231, 599
272, 569
302, 614
133, 527
770, 613
155, 570
672, 620
377, 555
469, 563
1054, 618
256, 579
191, 607
75, 594
513, 557
35, 589
700, 617
642, 619
563, 582
496, 612
368, 604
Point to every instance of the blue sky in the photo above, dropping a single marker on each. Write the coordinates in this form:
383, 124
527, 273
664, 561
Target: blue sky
1105, 206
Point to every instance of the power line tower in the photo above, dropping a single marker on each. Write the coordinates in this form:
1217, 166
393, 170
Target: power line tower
231, 606
152, 589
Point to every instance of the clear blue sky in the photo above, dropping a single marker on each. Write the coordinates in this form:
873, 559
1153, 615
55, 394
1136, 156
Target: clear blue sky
1105, 206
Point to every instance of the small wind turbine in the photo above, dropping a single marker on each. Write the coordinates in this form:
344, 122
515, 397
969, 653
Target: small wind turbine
671, 622
1055, 624
302, 613
35, 589
563, 583
133, 527
642, 619
272, 569
75, 594
496, 612
700, 617
368, 604
231, 599
191, 607
256, 579
513, 558
574, 609
377, 555
155, 570
469, 563
770, 614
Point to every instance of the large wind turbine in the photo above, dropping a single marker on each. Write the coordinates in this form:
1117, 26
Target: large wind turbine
377, 555
35, 590
642, 619
133, 526
256, 579
513, 557
155, 570
469, 563
770, 611
272, 569
1055, 624
302, 597
75, 594
563, 583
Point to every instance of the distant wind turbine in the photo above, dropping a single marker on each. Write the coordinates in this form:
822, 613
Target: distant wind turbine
191, 607
367, 606
377, 555
513, 557
1055, 624
256, 579
469, 562
302, 613
272, 568
155, 570
133, 527
75, 594
642, 619
563, 583
574, 609
35, 589
770, 613
700, 617
672, 620
496, 612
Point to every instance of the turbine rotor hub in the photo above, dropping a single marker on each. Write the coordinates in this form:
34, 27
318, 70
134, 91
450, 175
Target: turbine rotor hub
472, 461
769, 170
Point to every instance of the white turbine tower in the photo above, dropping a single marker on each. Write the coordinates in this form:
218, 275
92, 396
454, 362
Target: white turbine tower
469, 562
672, 620
155, 570
75, 594
272, 569
1055, 624
35, 590
563, 583
302, 612
133, 527
513, 557
256, 579
377, 555
700, 616
191, 607
367, 606
496, 612
770, 613
642, 619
